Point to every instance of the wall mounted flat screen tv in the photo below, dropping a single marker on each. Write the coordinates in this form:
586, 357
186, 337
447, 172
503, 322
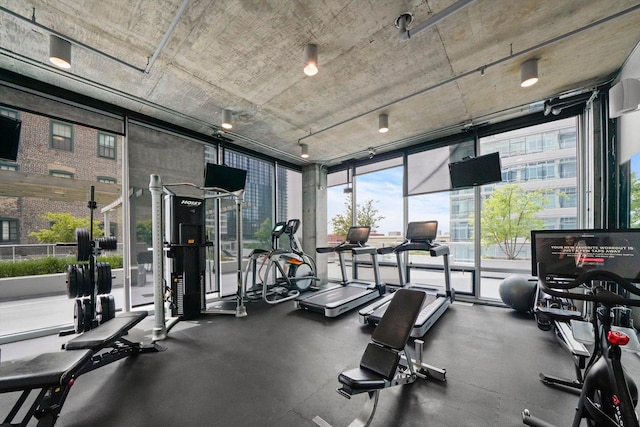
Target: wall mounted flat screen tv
9, 138
224, 177
569, 253
476, 171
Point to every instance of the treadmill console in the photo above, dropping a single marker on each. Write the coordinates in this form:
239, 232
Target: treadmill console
358, 235
422, 231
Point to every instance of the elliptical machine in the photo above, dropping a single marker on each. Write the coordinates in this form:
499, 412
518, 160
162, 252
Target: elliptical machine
287, 272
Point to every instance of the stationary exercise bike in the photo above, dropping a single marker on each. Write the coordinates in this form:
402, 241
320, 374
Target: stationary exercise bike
280, 274
608, 396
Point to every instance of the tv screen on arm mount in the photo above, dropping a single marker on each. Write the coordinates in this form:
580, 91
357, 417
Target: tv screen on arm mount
569, 253
224, 177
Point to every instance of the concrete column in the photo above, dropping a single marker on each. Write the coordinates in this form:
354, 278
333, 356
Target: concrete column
314, 215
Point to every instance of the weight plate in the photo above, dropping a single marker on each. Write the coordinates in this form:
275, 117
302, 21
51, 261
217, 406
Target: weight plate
108, 307
108, 243
87, 311
102, 308
87, 284
78, 316
72, 281
104, 278
84, 244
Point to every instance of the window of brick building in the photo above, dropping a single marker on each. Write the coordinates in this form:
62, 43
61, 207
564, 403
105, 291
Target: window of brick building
8, 166
8, 230
106, 145
107, 180
61, 136
8, 112
61, 174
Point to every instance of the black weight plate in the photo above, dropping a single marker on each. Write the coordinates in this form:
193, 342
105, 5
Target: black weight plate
87, 311
104, 278
108, 307
108, 279
108, 243
72, 281
112, 306
99, 277
102, 308
84, 244
87, 285
78, 316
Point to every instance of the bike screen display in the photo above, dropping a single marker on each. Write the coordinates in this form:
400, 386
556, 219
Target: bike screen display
569, 253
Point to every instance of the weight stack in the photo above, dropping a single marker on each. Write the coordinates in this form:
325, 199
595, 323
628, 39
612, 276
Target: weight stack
184, 228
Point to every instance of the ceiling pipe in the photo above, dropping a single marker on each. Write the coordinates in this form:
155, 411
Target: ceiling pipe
32, 21
480, 69
164, 40
405, 19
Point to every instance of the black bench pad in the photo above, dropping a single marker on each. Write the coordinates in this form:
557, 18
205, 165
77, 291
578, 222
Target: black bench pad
361, 379
107, 333
44, 370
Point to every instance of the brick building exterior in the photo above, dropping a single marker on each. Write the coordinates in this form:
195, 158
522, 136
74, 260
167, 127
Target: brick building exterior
65, 152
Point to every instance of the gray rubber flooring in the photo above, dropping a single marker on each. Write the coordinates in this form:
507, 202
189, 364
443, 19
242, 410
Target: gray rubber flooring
278, 367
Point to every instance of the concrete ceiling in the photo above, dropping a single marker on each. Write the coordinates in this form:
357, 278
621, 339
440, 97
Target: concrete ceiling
247, 55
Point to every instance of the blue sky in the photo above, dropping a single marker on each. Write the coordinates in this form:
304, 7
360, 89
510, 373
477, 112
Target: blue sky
385, 189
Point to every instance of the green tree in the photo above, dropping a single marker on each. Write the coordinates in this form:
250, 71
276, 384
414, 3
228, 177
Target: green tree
508, 216
634, 207
144, 230
63, 227
366, 215
263, 235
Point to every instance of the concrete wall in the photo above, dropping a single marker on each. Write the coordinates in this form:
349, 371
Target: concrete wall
13, 288
314, 215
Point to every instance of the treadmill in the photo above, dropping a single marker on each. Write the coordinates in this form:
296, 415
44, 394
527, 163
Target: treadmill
420, 236
352, 293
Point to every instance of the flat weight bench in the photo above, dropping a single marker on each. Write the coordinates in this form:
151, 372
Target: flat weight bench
54, 373
385, 362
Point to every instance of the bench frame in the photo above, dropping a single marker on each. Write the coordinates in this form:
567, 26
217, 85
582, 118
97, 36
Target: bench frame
378, 367
55, 373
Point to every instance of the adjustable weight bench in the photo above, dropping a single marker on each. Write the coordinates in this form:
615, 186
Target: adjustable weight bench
385, 362
54, 373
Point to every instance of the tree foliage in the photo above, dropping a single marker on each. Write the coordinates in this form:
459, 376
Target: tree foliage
508, 216
63, 227
366, 215
634, 207
144, 231
263, 234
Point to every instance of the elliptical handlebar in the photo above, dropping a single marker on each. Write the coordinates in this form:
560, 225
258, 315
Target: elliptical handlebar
600, 295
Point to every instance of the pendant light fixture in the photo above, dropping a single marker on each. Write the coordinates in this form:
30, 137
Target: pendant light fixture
59, 52
304, 151
529, 73
226, 119
383, 123
311, 60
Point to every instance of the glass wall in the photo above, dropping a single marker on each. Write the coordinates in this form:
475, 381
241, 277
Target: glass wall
43, 198
538, 191
339, 207
539, 165
379, 204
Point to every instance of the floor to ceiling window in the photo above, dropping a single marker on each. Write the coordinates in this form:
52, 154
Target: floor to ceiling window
257, 212
43, 198
379, 204
539, 177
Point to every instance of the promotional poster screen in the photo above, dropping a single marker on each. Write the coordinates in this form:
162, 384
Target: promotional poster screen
569, 253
